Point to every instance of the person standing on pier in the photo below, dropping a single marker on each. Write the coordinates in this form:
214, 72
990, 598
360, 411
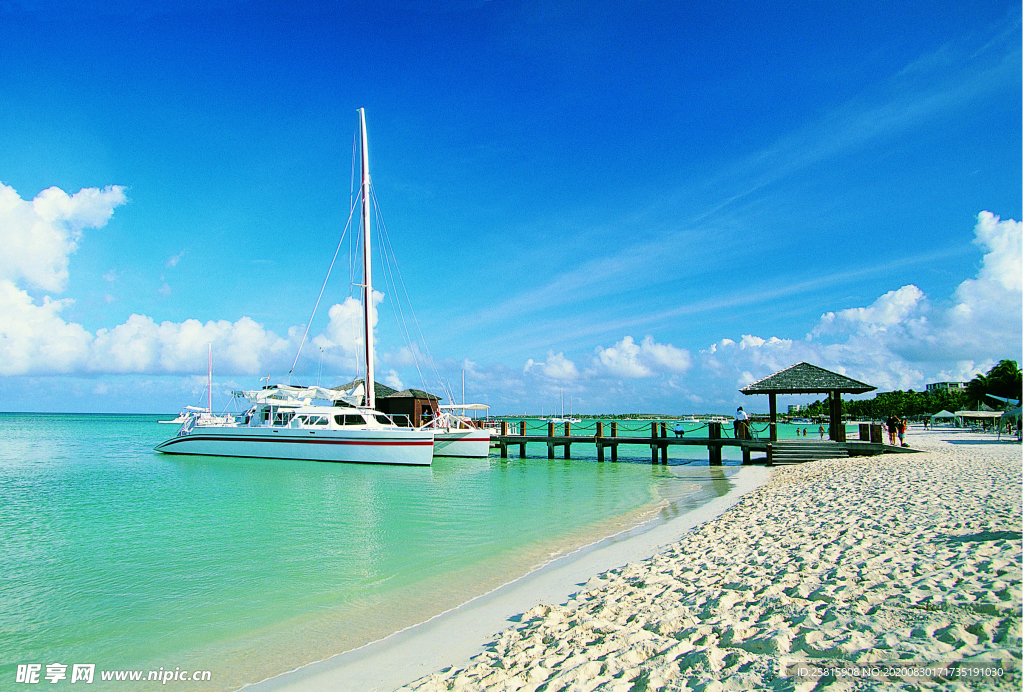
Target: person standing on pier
740, 424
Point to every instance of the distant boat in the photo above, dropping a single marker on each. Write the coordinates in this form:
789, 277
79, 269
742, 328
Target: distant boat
203, 416
562, 417
283, 423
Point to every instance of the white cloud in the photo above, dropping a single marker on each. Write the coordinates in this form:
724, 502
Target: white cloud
893, 312
34, 338
902, 338
556, 367
986, 315
173, 260
39, 236
631, 360
393, 380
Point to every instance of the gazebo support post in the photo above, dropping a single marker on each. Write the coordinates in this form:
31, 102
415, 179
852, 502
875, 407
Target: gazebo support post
773, 428
836, 429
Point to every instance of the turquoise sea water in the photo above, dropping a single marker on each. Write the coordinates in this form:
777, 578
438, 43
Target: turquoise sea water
114, 555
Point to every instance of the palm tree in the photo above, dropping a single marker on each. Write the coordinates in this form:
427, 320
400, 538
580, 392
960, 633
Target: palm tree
1003, 380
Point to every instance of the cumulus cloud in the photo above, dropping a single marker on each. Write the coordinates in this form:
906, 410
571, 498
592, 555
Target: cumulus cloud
894, 312
392, 379
556, 367
903, 337
628, 359
34, 338
38, 236
987, 308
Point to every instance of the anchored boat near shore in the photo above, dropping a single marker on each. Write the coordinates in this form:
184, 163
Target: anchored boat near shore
283, 422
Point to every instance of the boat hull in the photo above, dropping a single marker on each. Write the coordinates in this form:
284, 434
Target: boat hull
474, 444
402, 447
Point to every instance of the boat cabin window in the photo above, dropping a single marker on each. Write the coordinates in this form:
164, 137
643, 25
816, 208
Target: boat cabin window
350, 419
313, 420
283, 417
382, 419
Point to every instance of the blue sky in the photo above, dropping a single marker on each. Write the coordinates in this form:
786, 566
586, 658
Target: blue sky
643, 206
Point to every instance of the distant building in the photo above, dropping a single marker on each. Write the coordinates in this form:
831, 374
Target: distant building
797, 408
936, 387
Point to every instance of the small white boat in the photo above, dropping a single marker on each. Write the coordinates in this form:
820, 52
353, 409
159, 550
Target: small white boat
202, 416
562, 418
459, 436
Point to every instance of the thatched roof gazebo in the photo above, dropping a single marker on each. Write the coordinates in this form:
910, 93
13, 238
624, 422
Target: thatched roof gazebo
804, 378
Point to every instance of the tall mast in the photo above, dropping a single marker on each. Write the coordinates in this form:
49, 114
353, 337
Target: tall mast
367, 285
209, 382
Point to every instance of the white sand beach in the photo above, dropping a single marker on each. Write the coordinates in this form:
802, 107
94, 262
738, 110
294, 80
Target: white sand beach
913, 558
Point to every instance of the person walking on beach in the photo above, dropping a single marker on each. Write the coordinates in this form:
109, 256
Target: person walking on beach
821, 432
740, 424
903, 431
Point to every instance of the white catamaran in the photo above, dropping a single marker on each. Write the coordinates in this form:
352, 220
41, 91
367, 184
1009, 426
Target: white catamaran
458, 436
283, 422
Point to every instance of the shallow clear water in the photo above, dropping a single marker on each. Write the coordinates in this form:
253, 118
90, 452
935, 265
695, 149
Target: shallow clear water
115, 555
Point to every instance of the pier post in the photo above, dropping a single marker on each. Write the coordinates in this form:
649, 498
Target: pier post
568, 434
654, 443
746, 455
615, 446
597, 439
714, 450
664, 445
503, 441
876, 433
551, 440
522, 445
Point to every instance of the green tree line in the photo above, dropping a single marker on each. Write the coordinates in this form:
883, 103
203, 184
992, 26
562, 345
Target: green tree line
1003, 380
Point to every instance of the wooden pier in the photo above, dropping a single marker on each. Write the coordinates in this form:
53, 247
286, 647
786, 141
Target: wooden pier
608, 441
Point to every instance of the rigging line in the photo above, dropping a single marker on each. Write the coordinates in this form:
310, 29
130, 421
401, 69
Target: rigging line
429, 358
389, 263
386, 241
326, 278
